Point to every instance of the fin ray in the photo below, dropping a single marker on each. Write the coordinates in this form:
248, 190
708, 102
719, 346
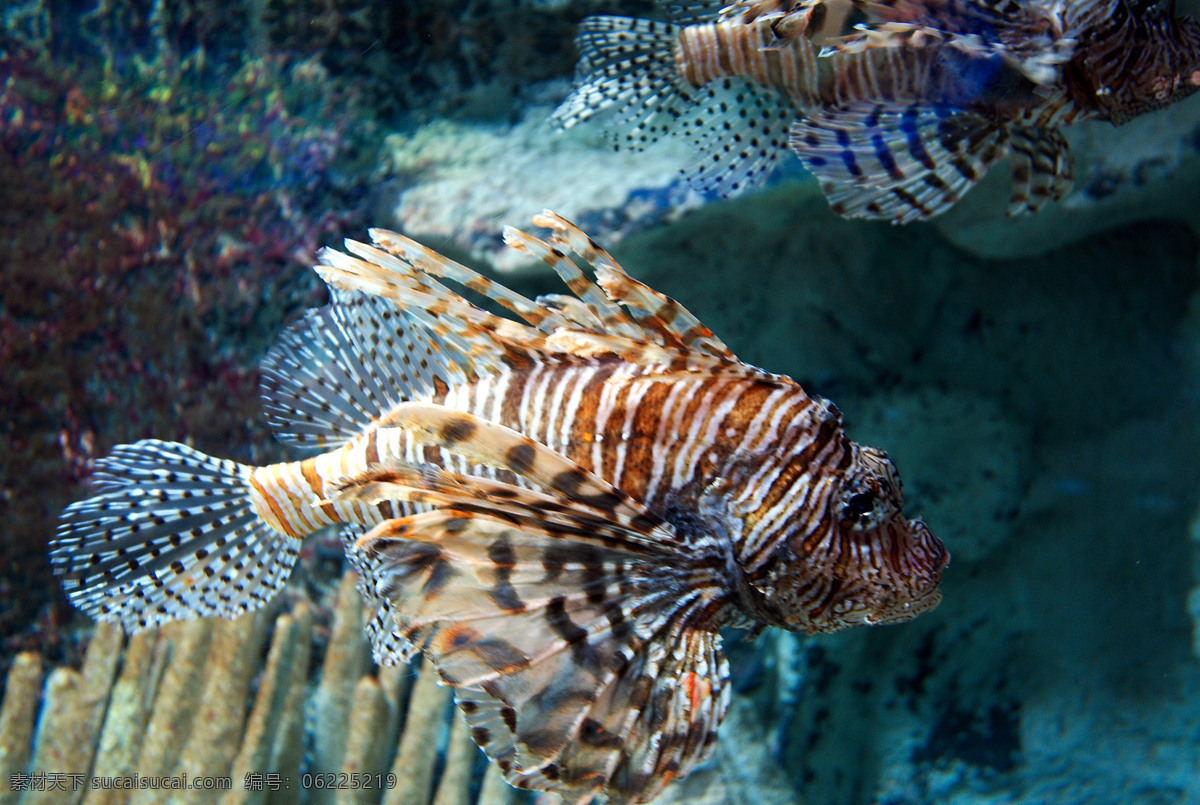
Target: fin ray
662, 319
627, 71
740, 130
1042, 168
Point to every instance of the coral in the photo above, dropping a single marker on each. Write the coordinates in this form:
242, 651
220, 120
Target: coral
157, 227
473, 57
202, 699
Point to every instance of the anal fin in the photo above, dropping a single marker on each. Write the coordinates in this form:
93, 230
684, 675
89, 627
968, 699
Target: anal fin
388, 646
739, 129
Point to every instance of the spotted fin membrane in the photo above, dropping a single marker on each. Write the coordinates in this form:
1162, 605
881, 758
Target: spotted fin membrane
627, 72
739, 132
628, 76
170, 533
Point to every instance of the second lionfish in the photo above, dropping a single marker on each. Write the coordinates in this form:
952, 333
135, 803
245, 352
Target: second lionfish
898, 107
561, 508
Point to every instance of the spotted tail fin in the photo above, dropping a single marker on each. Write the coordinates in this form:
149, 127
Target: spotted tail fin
579, 635
898, 163
171, 533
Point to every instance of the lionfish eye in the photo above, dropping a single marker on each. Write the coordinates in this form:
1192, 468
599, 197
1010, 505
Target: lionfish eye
858, 505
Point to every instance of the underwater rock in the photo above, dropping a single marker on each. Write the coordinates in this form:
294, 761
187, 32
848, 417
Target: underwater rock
346, 659
69, 725
272, 737
414, 759
1193, 601
17, 717
456, 181
124, 720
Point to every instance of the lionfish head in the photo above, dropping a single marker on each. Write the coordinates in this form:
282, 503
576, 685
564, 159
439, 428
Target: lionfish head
861, 561
1139, 57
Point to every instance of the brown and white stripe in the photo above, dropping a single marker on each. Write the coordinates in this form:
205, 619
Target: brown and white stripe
707, 52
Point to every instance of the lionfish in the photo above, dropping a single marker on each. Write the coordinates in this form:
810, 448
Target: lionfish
560, 508
898, 107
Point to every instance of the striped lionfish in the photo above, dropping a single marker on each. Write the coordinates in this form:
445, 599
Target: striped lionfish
898, 107
560, 508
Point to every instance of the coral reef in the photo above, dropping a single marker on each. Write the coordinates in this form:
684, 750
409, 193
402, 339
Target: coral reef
424, 57
201, 700
158, 222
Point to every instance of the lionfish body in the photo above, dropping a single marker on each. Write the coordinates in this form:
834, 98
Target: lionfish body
561, 512
899, 106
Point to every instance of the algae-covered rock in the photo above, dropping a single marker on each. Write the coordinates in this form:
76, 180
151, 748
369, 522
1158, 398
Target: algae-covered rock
461, 181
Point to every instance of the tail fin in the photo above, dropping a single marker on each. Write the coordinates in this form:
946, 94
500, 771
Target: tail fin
627, 65
171, 534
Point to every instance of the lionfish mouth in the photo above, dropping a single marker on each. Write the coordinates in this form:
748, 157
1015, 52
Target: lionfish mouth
928, 558
925, 601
